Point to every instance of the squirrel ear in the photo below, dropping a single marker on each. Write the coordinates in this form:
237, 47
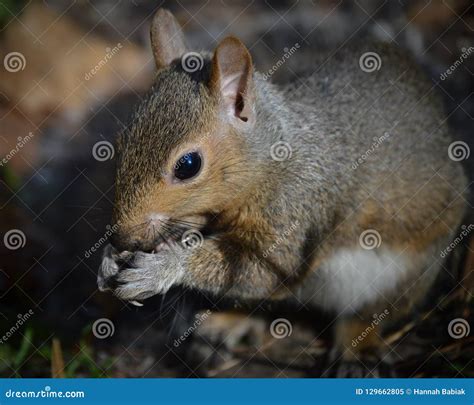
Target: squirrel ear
231, 77
167, 38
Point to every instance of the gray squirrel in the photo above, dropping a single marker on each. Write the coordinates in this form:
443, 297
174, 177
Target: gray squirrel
337, 191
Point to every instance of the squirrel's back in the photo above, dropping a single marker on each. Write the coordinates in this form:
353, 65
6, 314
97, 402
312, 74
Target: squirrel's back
382, 124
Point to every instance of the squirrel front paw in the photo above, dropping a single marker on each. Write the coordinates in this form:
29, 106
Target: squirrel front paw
139, 275
108, 268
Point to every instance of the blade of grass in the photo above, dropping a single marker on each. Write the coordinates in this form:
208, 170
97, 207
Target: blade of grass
57, 360
26, 344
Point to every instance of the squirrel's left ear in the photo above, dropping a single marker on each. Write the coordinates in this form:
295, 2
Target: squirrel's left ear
167, 38
232, 78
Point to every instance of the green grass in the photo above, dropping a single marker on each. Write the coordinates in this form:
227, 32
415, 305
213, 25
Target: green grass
8, 9
29, 357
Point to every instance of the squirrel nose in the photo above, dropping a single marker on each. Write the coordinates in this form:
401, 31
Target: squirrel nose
123, 243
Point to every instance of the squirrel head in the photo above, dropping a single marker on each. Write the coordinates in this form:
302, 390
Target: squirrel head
184, 157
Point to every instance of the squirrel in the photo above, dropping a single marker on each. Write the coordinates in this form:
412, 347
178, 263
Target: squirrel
336, 190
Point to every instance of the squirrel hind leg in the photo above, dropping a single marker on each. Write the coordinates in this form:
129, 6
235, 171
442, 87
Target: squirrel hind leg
359, 350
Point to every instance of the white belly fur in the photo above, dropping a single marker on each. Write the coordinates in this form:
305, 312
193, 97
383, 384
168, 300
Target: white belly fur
352, 278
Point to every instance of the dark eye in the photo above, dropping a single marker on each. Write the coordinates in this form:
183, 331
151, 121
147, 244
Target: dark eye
188, 166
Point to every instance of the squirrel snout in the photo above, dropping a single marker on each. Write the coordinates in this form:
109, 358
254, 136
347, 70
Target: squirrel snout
120, 243
142, 234
123, 242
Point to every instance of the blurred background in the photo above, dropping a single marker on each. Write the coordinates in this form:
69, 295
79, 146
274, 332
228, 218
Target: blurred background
72, 72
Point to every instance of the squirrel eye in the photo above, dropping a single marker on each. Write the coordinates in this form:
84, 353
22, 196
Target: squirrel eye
188, 166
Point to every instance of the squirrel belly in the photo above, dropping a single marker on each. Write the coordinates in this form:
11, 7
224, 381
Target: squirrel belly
353, 280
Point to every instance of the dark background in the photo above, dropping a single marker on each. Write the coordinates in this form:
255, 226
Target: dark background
60, 197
